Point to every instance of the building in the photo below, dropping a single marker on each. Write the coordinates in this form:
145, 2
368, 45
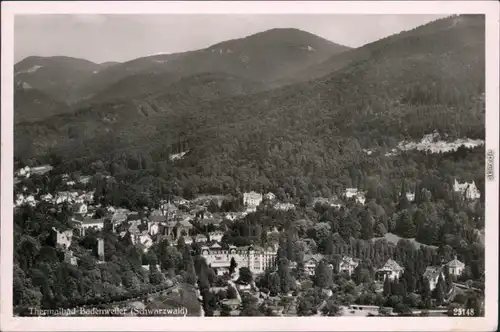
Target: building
391, 270
154, 227
178, 228
145, 240
200, 238
469, 190
89, 223
63, 239
432, 274
284, 206
455, 267
256, 260
360, 198
252, 199
270, 196
81, 208
40, 170
100, 249
311, 262
351, 192
216, 236
347, 265
69, 258
47, 198
410, 196
25, 172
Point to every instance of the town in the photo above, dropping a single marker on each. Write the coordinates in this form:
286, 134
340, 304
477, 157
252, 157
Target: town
253, 270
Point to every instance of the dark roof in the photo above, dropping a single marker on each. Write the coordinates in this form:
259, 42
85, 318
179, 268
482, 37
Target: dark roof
157, 218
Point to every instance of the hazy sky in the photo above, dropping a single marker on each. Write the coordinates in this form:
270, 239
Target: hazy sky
101, 38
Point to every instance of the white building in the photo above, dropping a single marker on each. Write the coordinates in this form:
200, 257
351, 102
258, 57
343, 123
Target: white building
216, 236
351, 192
256, 260
347, 265
284, 206
410, 196
311, 262
252, 199
64, 238
200, 238
25, 172
432, 274
270, 196
81, 208
391, 270
360, 198
469, 190
47, 198
455, 267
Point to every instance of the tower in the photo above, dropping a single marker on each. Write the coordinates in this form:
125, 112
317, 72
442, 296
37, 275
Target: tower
251, 260
100, 249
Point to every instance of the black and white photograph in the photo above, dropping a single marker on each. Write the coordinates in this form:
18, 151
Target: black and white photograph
216, 166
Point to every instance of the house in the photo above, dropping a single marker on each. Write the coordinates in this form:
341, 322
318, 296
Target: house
252, 199
154, 227
391, 270
284, 206
432, 274
233, 304
469, 190
347, 265
216, 236
81, 208
410, 196
19, 200
47, 198
200, 238
270, 196
63, 239
360, 198
455, 267
69, 258
90, 223
25, 172
84, 179
351, 192
146, 241
147, 266
40, 170
310, 263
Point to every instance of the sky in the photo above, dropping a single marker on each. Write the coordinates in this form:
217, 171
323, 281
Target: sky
101, 38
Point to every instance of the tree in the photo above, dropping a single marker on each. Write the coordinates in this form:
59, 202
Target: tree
231, 293
245, 275
440, 291
405, 225
274, 283
331, 309
323, 275
367, 225
387, 287
232, 266
284, 275
155, 276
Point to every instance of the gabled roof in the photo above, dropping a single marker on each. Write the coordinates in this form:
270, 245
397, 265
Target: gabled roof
93, 221
432, 272
455, 263
315, 257
392, 265
157, 218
